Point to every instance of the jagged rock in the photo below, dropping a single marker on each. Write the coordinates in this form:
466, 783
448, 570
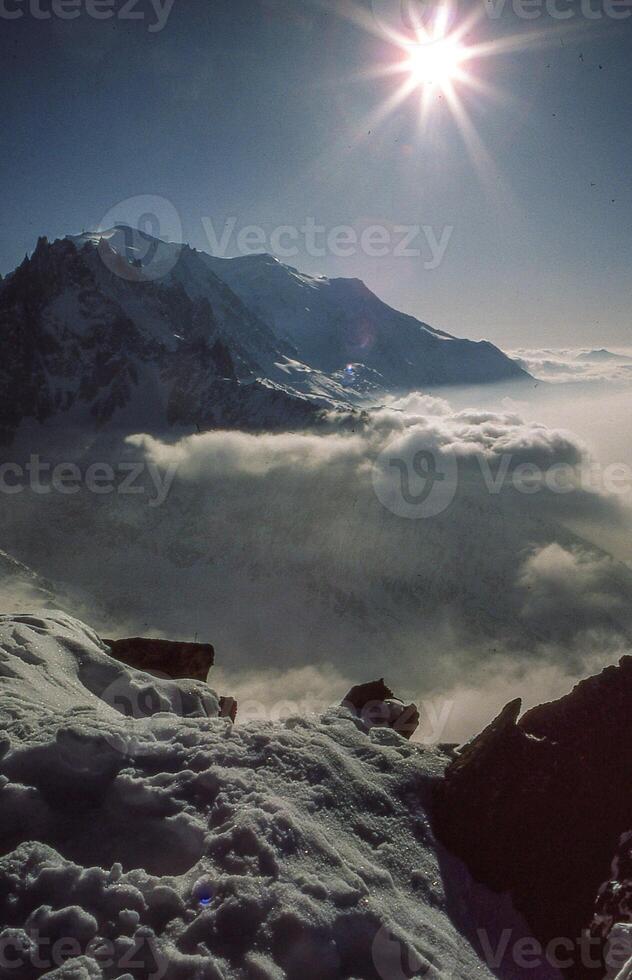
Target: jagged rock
376, 706
165, 657
614, 902
228, 708
363, 694
85, 334
536, 806
493, 741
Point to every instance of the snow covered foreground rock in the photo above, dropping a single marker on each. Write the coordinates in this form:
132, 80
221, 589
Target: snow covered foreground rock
172, 844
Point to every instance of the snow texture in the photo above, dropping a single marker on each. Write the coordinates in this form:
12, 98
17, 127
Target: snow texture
145, 837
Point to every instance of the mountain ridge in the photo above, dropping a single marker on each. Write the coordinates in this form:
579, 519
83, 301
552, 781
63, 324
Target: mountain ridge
108, 328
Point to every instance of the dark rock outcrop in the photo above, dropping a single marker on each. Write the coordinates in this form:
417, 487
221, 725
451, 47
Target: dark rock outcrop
165, 657
535, 806
228, 708
614, 902
376, 706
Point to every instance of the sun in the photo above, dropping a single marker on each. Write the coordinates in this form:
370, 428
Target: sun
436, 62
436, 59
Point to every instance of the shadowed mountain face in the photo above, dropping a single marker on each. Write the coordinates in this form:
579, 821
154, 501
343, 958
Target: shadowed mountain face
92, 337
334, 322
536, 806
93, 348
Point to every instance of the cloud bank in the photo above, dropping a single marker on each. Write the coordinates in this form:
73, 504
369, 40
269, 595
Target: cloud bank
311, 560
576, 365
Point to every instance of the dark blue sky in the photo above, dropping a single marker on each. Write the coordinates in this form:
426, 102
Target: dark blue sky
252, 110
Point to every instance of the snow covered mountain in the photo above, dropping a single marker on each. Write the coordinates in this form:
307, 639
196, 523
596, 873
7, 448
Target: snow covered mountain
339, 322
83, 343
119, 328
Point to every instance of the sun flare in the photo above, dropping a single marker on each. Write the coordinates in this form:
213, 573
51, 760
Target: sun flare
436, 62
435, 66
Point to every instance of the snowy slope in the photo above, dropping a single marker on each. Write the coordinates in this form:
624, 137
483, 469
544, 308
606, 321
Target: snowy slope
184, 269
255, 347
158, 841
325, 323
93, 348
283, 317
21, 587
116, 329
335, 322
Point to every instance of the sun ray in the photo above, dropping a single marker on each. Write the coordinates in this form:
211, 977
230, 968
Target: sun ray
485, 89
436, 61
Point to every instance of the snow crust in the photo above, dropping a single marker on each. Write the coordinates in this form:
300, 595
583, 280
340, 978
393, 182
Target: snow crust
157, 840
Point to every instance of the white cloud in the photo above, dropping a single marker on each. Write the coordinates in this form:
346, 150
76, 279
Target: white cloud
276, 548
563, 365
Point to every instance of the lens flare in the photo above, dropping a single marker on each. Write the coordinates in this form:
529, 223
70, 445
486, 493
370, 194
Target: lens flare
436, 62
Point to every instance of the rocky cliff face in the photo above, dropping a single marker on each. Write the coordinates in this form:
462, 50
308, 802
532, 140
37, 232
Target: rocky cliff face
93, 348
536, 805
94, 337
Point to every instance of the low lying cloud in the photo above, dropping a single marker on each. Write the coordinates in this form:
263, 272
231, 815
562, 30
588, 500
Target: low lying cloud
564, 365
230, 454
571, 591
424, 546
